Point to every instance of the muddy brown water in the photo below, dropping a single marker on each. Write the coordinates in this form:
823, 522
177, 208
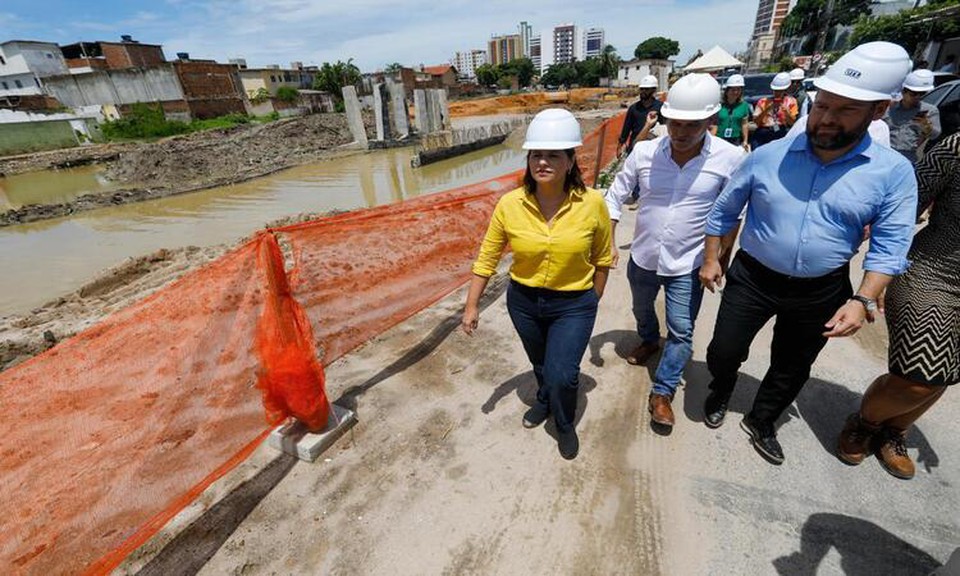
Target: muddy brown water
44, 260
52, 186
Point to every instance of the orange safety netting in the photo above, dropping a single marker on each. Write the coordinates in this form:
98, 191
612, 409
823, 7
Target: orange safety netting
110, 434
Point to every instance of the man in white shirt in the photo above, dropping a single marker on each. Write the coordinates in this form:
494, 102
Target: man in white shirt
679, 177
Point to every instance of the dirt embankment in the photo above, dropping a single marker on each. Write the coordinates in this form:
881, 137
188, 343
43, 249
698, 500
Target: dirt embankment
532, 102
188, 163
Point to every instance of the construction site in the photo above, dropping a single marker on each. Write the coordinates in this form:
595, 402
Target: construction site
169, 321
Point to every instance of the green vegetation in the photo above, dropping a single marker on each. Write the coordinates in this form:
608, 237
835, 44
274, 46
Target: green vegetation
147, 121
287, 94
522, 68
910, 28
584, 72
333, 77
657, 47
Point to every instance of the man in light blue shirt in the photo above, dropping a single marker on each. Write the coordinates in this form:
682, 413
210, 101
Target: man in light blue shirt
809, 200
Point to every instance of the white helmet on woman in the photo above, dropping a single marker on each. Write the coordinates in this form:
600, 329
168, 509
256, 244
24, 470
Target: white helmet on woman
553, 129
693, 97
734, 81
797, 74
870, 72
920, 80
781, 81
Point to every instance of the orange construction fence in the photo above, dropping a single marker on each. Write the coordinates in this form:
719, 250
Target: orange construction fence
111, 433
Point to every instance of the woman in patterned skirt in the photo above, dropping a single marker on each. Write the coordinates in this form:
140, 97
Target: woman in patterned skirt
923, 319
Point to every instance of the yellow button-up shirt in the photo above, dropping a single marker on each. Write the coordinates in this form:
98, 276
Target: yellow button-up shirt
561, 256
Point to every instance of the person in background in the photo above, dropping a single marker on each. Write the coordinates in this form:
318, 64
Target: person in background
923, 321
912, 121
775, 115
559, 232
637, 115
797, 90
679, 177
733, 119
808, 200
949, 64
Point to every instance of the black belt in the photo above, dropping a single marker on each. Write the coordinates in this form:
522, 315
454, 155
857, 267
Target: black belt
757, 267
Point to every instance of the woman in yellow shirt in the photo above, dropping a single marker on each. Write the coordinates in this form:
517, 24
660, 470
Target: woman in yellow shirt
559, 231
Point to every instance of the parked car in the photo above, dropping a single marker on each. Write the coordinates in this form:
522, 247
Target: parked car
943, 77
946, 97
757, 86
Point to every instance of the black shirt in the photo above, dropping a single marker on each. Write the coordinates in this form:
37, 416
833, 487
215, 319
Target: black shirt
636, 118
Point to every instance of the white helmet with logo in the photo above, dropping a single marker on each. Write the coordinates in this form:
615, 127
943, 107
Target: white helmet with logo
870, 72
920, 80
780, 82
797, 74
649, 81
734, 81
693, 97
553, 129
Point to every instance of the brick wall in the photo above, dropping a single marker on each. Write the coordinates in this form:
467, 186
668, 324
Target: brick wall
211, 89
128, 55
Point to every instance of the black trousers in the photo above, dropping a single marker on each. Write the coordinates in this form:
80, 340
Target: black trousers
755, 293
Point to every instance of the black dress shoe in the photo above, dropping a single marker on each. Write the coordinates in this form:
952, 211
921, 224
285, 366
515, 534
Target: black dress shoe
715, 409
764, 440
536, 415
569, 444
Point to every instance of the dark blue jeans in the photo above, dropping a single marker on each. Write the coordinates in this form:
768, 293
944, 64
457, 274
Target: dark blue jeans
555, 328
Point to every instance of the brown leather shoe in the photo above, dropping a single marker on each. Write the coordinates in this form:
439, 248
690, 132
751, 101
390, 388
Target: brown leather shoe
660, 410
854, 442
892, 453
642, 353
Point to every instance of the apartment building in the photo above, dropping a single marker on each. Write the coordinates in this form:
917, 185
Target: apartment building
593, 42
467, 62
25, 63
503, 49
566, 44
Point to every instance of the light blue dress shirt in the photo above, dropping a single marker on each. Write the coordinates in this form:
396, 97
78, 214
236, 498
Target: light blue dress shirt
806, 218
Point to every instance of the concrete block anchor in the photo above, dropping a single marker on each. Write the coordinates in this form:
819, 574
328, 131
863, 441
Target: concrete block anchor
296, 440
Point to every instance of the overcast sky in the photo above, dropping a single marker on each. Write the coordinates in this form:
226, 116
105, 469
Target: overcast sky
372, 32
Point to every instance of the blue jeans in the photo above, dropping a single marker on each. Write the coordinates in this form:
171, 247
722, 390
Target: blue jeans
683, 295
555, 328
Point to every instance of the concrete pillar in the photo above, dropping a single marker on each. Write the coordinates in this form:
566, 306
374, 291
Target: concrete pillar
381, 111
420, 120
445, 123
354, 119
398, 110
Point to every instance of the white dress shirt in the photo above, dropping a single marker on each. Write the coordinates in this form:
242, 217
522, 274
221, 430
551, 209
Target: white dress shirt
674, 201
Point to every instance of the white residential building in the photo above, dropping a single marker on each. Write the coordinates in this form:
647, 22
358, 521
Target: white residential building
24, 64
632, 71
467, 62
536, 53
593, 42
526, 35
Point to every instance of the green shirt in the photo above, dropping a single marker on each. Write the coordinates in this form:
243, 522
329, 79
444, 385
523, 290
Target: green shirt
730, 119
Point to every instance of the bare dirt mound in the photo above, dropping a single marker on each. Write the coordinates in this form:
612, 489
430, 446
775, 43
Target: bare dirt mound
528, 103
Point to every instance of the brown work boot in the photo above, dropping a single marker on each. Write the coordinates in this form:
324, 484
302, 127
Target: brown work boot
892, 453
642, 353
660, 410
854, 442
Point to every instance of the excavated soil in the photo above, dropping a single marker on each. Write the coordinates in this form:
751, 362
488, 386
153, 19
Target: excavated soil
188, 163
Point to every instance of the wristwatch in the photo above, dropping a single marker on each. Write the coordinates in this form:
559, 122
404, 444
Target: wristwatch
868, 303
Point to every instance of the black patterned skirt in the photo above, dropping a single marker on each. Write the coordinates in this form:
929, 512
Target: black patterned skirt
923, 320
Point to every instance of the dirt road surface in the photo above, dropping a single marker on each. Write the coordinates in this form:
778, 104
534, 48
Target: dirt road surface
439, 477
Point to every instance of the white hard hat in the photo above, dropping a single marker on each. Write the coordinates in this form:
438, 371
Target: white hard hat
693, 97
797, 74
870, 72
553, 129
649, 81
734, 81
780, 82
920, 80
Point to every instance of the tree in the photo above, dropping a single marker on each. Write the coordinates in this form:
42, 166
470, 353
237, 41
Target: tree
910, 28
609, 62
287, 94
658, 47
522, 68
393, 68
487, 75
560, 75
333, 77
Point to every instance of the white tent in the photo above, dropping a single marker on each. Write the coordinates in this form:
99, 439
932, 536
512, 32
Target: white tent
715, 59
